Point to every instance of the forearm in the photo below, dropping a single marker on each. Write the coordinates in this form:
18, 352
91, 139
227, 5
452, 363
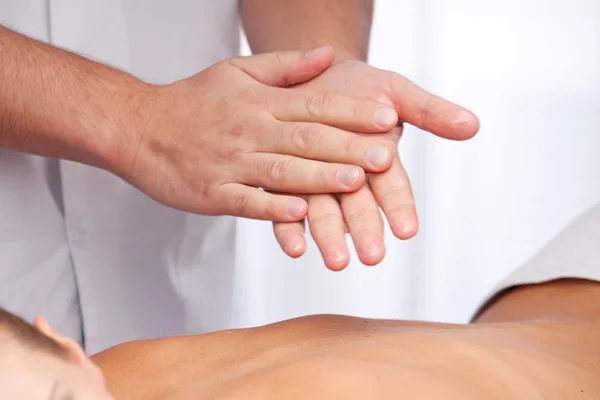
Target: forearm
274, 25
54, 103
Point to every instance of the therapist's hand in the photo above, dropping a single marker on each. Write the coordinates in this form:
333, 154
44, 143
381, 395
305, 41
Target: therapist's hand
329, 214
210, 141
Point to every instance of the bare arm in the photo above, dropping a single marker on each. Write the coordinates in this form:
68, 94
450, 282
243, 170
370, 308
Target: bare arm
54, 103
57, 104
273, 25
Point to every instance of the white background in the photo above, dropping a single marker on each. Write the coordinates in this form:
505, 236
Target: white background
531, 70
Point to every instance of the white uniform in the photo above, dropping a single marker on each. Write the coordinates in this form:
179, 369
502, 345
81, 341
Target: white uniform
575, 253
77, 244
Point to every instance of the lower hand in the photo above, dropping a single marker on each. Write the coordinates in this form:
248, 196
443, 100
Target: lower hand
208, 143
329, 215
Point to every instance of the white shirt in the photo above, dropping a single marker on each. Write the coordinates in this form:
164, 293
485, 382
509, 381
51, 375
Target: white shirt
574, 253
79, 246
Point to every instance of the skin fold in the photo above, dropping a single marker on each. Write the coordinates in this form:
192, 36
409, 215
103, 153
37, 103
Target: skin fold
511, 354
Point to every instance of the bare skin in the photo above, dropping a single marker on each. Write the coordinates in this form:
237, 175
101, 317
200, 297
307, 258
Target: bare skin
511, 354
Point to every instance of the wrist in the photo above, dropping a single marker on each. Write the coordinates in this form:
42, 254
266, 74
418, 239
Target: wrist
343, 54
122, 132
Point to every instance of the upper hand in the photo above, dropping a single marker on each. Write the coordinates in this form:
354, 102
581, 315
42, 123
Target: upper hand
330, 214
208, 143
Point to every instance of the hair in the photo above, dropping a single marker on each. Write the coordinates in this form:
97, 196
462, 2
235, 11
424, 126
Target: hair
15, 327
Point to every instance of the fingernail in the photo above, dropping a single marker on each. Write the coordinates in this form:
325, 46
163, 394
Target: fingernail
464, 116
409, 227
375, 253
377, 155
295, 246
385, 116
337, 260
340, 257
347, 176
296, 209
313, 52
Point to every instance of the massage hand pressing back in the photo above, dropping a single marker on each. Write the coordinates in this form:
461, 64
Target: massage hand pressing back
209, 143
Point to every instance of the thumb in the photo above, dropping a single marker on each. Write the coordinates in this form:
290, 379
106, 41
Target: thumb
285, 68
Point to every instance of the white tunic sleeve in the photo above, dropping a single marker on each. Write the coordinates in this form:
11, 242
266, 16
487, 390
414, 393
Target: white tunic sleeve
574, 253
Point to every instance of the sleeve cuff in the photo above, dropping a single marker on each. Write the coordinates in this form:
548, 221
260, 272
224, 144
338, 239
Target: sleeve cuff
574, 253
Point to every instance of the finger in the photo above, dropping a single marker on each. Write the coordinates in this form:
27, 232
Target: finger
324, 143
365, 224
285, 68
290, 236
249, 202
327, 228
333, 109
283, 173
394, 195
429, 112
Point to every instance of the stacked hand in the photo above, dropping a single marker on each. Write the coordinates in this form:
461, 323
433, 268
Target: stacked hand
206, 144
331, 215
320, 139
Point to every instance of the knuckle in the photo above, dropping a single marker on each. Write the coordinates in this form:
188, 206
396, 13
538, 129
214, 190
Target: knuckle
303, 137
279, 168
243, 134
318, 105
201, 188
334, 235
347, 145
280, 60
401, 189
285, 230
235, 62
356, 109
253, 96
270, 208
228, 156
322, 175
404, 208
325, 218
362, 214
427, 110
240, 202
237, 129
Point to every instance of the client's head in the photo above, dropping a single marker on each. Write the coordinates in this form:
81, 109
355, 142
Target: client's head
37, 363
